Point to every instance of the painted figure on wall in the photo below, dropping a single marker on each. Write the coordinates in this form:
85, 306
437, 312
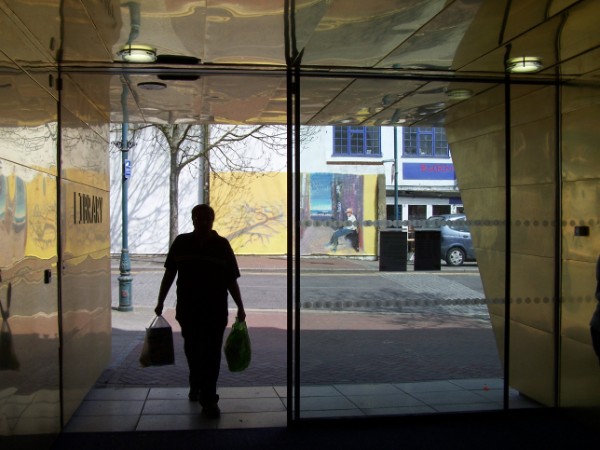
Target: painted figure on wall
332, 201
349, 231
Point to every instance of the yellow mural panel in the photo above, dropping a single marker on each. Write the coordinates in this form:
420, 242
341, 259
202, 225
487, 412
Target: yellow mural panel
41, 217
370, 211
251, 211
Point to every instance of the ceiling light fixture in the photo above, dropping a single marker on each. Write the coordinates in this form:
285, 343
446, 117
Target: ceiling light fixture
459, 94
137, 53
524, 64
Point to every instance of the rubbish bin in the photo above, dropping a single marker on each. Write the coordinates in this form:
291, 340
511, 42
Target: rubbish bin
392, 251
428, 252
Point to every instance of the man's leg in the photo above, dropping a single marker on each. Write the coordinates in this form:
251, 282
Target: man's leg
210, 359
191, 344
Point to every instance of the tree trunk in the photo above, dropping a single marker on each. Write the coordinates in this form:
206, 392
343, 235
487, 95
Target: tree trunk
173, 198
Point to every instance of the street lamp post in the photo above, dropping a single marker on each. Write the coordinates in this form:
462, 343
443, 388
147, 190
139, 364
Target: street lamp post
125, 298
396, 176
395, 161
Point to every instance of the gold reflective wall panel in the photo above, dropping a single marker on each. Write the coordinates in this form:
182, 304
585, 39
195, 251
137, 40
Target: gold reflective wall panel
477, 135
55, 308
580, 373
29, 363
85, 293
532, 221
554, 187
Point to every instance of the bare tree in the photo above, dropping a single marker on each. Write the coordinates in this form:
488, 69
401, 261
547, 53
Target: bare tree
210, 151
144, 187
240, 150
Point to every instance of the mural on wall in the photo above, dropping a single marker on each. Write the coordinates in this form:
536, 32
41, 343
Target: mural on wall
13, 208
332, 210
251, 211
27, 215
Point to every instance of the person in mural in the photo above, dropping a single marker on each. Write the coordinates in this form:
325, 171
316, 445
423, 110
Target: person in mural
595, 322
207, 271
349, 227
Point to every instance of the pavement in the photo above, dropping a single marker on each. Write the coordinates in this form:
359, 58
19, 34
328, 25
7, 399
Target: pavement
336, 346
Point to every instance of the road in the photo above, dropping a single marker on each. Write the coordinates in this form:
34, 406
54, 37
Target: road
349, 291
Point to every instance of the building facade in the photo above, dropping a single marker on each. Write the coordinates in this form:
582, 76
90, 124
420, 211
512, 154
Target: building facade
332, 157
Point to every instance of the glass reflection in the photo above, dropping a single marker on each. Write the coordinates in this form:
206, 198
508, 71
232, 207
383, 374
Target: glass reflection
8, 357
29, 364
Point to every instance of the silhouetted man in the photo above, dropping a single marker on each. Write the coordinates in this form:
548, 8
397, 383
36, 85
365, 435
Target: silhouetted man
206, 270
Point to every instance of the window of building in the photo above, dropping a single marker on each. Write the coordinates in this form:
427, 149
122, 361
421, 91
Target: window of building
390, 212
428, 142
357, 141
417, 212
438, 210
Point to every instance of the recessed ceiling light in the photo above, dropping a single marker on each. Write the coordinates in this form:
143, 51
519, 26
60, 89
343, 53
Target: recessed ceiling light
137, 53
524, 64
152, 85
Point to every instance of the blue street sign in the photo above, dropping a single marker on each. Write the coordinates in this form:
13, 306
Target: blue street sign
127, 168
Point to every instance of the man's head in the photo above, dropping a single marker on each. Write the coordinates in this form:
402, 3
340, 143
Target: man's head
203, 217
349, 211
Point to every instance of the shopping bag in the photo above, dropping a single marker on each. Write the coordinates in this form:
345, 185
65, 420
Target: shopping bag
238, 352
158, 344
8, 357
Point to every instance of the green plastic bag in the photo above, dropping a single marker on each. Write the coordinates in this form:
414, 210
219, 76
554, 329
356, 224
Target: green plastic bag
237, 347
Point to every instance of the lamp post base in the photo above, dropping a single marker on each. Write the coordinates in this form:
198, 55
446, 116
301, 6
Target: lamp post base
125, 293
125, 278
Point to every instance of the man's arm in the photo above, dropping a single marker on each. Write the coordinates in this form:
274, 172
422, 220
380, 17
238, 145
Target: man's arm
234, 290
165, 285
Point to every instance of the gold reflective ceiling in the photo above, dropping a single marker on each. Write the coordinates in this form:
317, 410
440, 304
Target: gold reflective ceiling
377, 62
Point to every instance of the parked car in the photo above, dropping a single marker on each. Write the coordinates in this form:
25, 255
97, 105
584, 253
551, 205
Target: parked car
456, 244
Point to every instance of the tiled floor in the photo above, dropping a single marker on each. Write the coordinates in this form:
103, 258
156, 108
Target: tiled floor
167, 408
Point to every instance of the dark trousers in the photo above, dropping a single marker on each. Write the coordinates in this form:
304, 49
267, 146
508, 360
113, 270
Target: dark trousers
202, 343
